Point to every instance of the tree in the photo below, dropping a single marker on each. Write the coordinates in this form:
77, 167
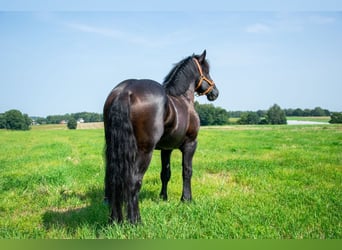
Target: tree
249, 118
2, 121
336, 117
318, 111
275, 115
221, 116
205, 113
72, 123
15, 120
211, 115
298, 112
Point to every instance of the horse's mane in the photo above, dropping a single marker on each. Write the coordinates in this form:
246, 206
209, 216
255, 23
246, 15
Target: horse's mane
178, 80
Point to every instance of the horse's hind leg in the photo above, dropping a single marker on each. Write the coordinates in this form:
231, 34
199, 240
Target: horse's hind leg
165, 174
116, 206
135, 182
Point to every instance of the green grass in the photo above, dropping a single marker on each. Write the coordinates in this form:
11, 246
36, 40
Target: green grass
296, 118
309, 118
248, 182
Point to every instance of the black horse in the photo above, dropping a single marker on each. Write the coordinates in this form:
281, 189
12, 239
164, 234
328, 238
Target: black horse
143, 115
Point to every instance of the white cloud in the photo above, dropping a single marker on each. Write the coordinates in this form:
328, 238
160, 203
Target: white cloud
258, 28
112, 33
131, 37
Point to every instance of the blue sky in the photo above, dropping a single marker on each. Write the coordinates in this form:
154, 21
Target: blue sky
56, 62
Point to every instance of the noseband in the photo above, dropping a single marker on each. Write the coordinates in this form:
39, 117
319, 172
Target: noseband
203, 78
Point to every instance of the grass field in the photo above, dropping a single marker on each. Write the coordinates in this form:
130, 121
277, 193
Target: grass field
310, 118
233, 120
271, 182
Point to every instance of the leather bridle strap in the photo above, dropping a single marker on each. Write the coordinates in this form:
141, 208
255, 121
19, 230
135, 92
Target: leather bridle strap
203, 78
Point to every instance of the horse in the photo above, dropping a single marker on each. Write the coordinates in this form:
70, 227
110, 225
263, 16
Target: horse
143, 115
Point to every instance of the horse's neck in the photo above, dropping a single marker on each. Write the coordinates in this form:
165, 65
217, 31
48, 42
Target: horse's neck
189, 98
189, 95
186, 100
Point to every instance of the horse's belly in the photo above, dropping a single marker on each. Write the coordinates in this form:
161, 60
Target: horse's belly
170, 141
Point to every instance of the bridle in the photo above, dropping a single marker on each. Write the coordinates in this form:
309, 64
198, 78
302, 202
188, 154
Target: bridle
203, 78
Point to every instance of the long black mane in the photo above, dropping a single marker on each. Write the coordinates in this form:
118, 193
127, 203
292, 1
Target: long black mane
177, 81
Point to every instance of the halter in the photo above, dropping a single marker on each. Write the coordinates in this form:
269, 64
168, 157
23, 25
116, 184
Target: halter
203, 78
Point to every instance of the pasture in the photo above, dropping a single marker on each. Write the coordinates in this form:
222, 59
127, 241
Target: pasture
265, 182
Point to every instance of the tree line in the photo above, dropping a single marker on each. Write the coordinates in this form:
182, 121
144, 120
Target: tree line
208, 114
318, 111
274, 115
16, 120
56, 119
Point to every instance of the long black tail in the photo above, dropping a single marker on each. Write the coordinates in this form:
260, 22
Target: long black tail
121, 150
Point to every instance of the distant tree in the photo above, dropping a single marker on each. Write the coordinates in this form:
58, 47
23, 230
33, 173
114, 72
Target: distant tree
326, 112
72, 123
298, 112
221, 116
211, 115
307, 112
15, 120
2, 121
54, 119
261, 113
289, 112
88, 116
41, 120
336, 117
249, 118
28, 121
235, 114
318, 111
205, 113
275, 115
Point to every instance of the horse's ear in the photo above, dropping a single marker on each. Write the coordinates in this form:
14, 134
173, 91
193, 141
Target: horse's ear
202, 57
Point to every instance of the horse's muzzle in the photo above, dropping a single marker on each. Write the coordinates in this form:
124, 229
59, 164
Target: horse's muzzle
212, 95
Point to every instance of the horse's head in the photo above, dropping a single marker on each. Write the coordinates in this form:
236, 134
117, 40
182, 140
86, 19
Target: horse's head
204, 85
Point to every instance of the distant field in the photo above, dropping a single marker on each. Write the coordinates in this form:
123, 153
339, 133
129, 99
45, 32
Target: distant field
297, 118
309, 118
90, 125
266, 182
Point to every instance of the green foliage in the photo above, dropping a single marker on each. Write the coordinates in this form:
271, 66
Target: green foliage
275, 115
2, 121
211, 115
15, 120
317, 111
249, 118
72, 123
86, 116
336, 117
262, 182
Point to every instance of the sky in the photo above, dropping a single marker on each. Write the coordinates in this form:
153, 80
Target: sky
56, 60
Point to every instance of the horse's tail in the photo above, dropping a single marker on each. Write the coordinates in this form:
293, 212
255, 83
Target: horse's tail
121, 150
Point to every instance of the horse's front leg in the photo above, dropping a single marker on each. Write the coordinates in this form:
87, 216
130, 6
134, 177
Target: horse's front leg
165, 174
188, 151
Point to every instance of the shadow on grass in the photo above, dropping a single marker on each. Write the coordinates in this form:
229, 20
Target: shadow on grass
94, 216
69, 219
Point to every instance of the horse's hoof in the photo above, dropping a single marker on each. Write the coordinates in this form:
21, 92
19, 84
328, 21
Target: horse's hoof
105, 202
163, 197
